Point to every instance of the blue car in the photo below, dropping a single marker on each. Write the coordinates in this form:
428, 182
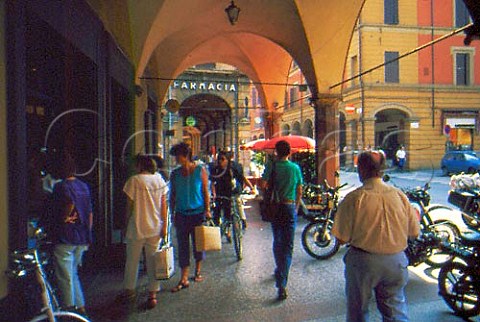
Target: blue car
460, 161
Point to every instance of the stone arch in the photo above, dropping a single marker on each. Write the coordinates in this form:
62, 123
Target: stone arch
285, 129
296, 128
307, 129
387, 106
391, 129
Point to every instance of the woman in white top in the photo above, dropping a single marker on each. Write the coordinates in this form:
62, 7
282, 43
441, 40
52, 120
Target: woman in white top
146, 215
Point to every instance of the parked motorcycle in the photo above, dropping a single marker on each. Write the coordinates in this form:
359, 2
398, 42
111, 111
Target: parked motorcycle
459, 278
426, 248
320, 208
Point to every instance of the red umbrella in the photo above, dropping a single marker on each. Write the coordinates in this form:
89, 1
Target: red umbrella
297, 143
250, 145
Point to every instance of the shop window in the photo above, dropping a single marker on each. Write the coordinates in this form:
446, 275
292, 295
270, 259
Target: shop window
391, 68
390, 12
460, 139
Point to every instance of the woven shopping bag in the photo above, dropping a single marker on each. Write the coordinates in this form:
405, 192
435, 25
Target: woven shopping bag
207, 237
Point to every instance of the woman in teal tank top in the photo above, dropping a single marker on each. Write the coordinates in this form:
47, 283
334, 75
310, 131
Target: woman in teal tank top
190, 203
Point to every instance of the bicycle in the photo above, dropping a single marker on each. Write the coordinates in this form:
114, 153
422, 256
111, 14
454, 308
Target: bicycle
29, 261
226, 225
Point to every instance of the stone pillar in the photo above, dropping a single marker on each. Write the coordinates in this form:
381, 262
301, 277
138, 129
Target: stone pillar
327, 138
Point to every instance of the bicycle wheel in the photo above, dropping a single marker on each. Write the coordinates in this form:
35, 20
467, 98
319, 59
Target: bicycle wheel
237, 233
61, 316
318, 242
458, 286
447, 232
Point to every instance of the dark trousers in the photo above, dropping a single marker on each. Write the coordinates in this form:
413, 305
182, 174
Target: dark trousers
185, 227
283, 229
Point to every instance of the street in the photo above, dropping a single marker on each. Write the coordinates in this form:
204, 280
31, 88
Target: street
244, 291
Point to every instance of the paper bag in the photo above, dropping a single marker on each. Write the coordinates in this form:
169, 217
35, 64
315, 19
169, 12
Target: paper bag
207, 238
164, 263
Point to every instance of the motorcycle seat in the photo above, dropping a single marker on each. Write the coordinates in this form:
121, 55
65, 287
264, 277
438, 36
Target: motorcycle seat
471, 239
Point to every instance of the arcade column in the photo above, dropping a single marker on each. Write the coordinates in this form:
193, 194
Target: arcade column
327, 138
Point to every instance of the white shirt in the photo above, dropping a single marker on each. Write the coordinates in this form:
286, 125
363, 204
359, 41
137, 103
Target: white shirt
401, 154
146, 191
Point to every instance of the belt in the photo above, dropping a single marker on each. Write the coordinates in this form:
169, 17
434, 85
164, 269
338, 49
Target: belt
287, 201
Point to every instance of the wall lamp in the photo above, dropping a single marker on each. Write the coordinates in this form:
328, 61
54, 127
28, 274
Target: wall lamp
232, 12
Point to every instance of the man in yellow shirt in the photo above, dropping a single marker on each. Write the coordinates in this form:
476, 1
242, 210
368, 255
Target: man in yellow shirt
376, 220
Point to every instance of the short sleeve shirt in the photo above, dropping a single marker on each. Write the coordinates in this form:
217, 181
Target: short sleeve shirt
286, 179
75, 192
146, 191
376, 218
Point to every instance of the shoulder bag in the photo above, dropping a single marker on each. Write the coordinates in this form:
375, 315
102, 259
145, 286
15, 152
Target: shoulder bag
269, 204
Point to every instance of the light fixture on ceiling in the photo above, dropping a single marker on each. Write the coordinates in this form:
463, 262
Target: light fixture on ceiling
232, 12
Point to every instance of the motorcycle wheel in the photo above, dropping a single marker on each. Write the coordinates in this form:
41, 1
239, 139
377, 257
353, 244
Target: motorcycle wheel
448, 232
317, 244
458, 286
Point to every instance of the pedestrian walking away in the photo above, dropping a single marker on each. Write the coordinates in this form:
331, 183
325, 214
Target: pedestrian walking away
70, 226
190, 203
288, 184
146, 218
376, 220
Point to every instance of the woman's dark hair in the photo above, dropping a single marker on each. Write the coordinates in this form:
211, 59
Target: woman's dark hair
182, 149
145, 163
222, 154
283, 148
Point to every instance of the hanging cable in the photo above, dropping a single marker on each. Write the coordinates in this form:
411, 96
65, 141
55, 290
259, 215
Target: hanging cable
456, 31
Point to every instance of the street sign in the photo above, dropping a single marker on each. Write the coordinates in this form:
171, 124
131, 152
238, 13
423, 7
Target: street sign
446, 129
350, 109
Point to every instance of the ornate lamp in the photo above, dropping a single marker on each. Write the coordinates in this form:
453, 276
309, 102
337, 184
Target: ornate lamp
232, 12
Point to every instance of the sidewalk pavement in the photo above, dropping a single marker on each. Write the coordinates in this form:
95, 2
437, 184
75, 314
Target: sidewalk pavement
244, 291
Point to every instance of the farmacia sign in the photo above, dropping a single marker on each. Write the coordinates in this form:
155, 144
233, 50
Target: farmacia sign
204, 86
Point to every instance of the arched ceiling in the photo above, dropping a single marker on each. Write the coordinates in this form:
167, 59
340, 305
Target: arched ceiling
165, 37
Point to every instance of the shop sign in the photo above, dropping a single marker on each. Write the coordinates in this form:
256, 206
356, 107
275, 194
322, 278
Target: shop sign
204, 86
190, 121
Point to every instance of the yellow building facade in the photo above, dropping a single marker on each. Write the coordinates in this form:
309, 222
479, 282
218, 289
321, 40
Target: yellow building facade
413, 101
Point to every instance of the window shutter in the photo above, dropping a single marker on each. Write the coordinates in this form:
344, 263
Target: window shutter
391, 69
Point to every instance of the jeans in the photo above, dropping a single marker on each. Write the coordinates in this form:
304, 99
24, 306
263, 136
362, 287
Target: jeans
386, 275
283, 229
134, 251
68, 258
185, 227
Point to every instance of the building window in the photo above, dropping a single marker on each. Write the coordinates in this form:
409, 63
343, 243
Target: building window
293, 96
463, 65
462, 69
392, 68
462, 17
354, 70
390, 12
